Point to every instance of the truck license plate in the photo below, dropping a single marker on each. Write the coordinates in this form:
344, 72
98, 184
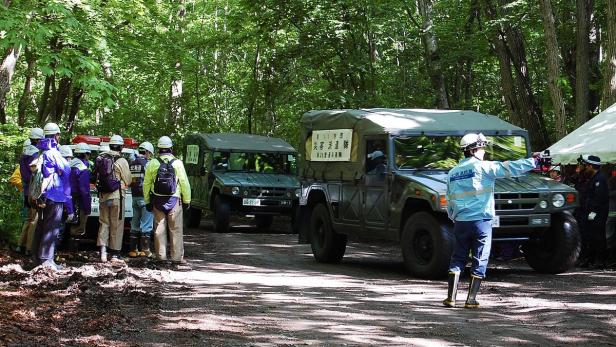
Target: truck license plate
496, 222
251, 202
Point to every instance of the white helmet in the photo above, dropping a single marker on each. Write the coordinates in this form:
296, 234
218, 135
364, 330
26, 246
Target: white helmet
66, 151
472, 141
376, 154
26, 143
37, 133
82, 148
51, 129
30, 150
116, 140
147, 146
165, 142
104, 148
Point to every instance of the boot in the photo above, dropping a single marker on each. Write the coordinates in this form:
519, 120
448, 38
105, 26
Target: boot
134, 239
144, 245
452, 290
473, 289
103, 254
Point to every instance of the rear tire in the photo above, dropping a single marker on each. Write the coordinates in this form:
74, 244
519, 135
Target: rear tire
264, 221
427, 245
222, 211
327, 246
559, 247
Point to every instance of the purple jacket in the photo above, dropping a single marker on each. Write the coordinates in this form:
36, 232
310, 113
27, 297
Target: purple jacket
24, 170
57, 168
80, 184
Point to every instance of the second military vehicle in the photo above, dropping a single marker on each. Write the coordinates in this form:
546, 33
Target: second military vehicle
381, 175
240, 174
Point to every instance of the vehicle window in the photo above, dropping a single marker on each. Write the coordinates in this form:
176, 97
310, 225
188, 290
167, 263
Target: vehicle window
443, 152
376, 161
255, 162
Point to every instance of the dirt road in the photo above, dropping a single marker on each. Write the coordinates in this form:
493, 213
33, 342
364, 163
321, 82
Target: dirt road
250, 288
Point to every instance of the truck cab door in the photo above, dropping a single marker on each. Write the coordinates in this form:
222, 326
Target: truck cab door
375, 190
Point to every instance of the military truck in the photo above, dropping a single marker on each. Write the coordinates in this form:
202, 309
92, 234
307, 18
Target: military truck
377, 175
240, 174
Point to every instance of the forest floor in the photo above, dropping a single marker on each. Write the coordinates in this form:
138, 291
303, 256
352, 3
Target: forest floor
264, 289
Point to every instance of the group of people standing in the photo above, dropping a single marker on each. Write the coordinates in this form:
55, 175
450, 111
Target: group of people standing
56, 182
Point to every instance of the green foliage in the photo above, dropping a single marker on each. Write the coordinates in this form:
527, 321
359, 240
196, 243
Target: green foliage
11, 142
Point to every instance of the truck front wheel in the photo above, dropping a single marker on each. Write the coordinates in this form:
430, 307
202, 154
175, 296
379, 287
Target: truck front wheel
222, 210
559, 247
427, 244
327, 246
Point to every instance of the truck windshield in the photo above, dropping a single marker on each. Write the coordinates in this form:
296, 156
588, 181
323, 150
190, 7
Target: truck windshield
443, 152
280, 163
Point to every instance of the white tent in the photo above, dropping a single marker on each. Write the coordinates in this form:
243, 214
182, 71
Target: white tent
596, 137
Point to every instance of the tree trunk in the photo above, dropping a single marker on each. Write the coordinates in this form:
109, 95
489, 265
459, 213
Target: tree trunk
42, 115
515, 79
609, 73
7, 68
554, 74
582, 60
431, 53
253, 88
59, 103
72, 114
26, 96
177, 84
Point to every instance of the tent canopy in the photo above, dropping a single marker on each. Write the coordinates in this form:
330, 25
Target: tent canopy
596, 137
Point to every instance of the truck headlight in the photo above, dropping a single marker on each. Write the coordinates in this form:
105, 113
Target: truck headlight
235, 190
558, 200
543, 204
289, 193
298, 192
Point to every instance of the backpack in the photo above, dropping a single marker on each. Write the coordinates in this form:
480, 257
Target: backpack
137, 169
106, 182
165, 182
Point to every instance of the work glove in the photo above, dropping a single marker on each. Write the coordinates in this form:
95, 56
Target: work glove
148, 207
591, 216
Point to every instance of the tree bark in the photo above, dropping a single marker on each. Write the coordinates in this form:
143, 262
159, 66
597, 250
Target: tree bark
609, 73
43, 101
582, 57
74, 109
554, 72
60, 98
7, 68
26, 96
431, 53
177, 84
515, 77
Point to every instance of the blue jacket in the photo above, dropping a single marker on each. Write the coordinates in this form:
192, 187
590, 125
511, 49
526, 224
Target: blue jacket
470, 186
80, 184
56, 169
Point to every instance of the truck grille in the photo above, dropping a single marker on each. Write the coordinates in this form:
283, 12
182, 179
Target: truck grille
265, 192
516, 201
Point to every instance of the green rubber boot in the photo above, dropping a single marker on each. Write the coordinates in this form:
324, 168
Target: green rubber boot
473, 289
452, 290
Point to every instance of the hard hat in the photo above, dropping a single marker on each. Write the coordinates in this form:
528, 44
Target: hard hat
472, 141
116, 140
26, 143
66, 151
376, 154
555, 168
590, 159
30, 150
147, 146
82, 147
51, 129
165, 142
104, 148
37, 133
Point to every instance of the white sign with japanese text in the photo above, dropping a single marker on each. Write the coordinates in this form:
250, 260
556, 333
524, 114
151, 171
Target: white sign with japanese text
331, 145
192, 154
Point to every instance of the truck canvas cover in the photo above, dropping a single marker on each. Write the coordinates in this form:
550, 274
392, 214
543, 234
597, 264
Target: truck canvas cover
381, 121
241, 143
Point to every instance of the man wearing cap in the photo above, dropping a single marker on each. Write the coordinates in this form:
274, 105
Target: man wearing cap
470, 204
141, 224
113, 178
378, 162
167, 203
595, 210
555, 173
55, 190
80, 187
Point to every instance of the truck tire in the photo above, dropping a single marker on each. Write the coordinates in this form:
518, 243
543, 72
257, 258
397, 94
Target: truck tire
559, 247
264, 222
427, 244
327, 246
192, 217
222, 211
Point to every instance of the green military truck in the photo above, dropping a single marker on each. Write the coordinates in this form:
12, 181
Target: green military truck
376, 175
240, 174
